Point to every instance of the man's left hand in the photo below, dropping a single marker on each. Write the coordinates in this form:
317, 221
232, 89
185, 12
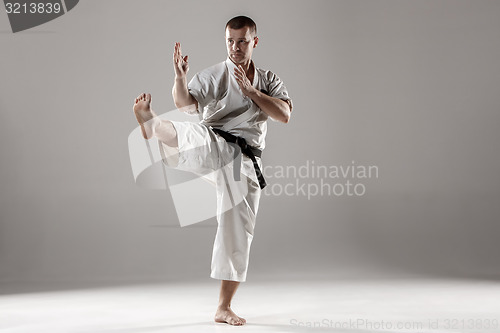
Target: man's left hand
244, 83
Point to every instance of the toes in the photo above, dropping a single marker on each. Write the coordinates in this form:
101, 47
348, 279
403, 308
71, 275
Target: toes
234, 322
143, 97
237, 321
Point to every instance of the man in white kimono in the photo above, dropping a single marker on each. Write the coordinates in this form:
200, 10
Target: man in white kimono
234, 99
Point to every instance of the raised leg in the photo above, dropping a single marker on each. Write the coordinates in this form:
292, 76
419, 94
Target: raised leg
151, 124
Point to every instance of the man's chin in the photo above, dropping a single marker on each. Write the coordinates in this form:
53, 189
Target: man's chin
237, 59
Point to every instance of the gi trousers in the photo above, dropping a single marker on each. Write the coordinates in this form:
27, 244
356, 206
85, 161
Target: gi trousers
206, 154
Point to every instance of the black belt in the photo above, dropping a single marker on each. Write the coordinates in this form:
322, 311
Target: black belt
249, 151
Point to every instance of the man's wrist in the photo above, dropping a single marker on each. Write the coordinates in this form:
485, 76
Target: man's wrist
180, 79
254, 93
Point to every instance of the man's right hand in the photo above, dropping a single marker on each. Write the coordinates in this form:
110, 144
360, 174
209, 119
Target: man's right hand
180, 91
181, 65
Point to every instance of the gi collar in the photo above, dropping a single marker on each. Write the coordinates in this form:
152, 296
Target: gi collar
231, 66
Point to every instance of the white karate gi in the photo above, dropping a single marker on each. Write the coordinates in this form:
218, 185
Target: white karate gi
221, 104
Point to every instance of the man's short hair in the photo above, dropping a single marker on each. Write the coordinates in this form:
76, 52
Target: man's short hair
239, 22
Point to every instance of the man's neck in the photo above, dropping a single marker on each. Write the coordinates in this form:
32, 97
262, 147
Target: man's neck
247, 66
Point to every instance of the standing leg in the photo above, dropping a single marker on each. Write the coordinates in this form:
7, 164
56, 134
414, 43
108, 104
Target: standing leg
237, 205
224, 314
234, 236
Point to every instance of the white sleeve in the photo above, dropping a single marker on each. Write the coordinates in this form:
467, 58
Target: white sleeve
201, 88
277, 89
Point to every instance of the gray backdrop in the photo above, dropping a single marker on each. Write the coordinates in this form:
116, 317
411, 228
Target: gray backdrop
408, 86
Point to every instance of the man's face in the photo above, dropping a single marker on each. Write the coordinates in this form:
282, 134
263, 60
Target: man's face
240, 44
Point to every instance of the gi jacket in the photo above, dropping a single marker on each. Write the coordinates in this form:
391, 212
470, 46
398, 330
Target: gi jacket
222, 104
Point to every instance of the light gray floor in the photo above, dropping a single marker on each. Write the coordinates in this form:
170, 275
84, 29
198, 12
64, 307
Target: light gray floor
377, 305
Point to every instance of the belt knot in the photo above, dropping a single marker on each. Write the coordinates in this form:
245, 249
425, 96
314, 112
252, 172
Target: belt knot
242, 143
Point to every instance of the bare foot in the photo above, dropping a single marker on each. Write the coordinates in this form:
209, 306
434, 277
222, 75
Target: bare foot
226, 315
145, 115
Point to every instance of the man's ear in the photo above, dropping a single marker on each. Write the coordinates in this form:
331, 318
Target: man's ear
256, 39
